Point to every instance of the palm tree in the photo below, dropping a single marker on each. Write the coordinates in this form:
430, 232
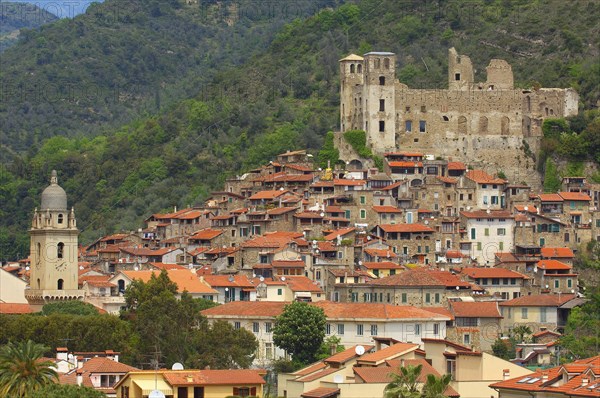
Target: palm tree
404, 384
521, 331
22, 371
436, 386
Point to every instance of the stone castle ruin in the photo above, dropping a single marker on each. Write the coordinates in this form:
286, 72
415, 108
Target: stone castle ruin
490, 124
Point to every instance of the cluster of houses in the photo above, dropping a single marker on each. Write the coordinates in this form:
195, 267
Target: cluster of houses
429, 258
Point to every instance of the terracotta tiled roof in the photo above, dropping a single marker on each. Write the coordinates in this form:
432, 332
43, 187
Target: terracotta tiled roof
399, 228
455, 254
386, 353
308, 214
346, 355
302, 284
158, 265
386, 209
288, 264
419, 277
212, 377
475, 309
553, 265
206, 234
405, 154
539, 300
447, 180
267, 195
481, 272
456, 166
386, 253
345, 182
272, 240
405, 164
106, 365
340, 232
557, 252
392, 186
550, 197
281, 210
184, 279
575, 196
530, 208
15, 308
481, 177
240, 281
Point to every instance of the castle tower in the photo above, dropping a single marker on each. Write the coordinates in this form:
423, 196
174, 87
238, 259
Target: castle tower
499, 75
379, 101
351, 80
460, 71
53, 250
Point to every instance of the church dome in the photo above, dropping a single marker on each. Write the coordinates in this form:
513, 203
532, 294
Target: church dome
54, 197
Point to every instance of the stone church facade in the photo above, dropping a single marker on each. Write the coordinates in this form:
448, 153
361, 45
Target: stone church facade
489, 124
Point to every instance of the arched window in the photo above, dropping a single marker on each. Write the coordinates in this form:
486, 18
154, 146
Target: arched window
377, 63
38, 252
359, 68
121, 284
38, 283
60, 250
382, 80
386, 63
60, 218
351, 68
59, 284
483, 124
462, 125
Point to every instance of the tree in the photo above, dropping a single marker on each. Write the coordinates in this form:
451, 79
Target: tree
582, 332
436, 386
300, 330
328, 345
405, 382
72, 307
504, 348
22, 371
66, 391
520, 332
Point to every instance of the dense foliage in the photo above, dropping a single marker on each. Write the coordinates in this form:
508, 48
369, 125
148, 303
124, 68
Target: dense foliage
66, 391
284, 96
16, 16
300, 331
581, 338
358, 140
23, 370
72, 307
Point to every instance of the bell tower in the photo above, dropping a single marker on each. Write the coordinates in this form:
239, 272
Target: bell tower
53, 250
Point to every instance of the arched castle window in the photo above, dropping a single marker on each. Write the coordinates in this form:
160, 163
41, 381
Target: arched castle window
445, 118
386, 63
59, 284
504, 124
382, 80
359, 68
462, 125
60, 218
377, 63
60, 250
351, 68
483, 124
38, 283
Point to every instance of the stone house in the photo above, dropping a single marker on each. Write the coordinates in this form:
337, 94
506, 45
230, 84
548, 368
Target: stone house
476, 324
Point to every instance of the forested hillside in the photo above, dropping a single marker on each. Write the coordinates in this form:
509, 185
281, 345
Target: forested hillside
16, 16
284, 97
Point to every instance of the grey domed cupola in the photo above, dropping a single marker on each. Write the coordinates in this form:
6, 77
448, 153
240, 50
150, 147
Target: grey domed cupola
54, 197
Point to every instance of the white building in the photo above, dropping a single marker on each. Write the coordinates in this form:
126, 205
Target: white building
487, 232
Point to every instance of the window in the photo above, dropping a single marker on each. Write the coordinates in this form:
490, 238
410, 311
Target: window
340, 255
473, 233
495, 281
318, 275
354, 297
417, 329
479, 246
382, 80
569, 283
422, 126
466, 322
264, 259
486, 232
182, 392
328, 329
60, 219
485, 199
542, 314
501, 246
351, 68
408, 126
373, 330
556, 284
524, 313
279, 292
268, 327
381, 126
457, 76
437, 298
501, 231
269, 350
363, 213
466, 338
436, 329
381, 105
428, 298
340, 328
494, 200
60, 250
59, 284
347, 214
255, 327
359, 330
237, 325
363, 200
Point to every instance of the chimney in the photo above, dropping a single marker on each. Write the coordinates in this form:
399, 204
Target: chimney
506, 374
544, 376
190, 378
402, 362
61, 353
79, 362
79, 377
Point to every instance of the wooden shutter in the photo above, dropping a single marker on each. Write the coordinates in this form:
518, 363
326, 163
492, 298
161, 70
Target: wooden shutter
253, 392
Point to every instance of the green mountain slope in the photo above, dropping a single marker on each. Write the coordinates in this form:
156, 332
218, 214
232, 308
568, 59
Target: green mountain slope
16, 16
287, 98
125, 58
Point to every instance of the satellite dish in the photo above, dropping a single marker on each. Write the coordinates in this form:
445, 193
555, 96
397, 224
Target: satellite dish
70, 356
156, 394
488, 211
283, 278
27, 268
177, 366
359, 350
253, 275
281, 189
136, 268
338, 379
526, 208
468, 207
426, 222
262, 279
360, 262
81, 267
322, 214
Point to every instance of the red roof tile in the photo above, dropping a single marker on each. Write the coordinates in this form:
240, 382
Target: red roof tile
15, 308
405, 164
399, 228
206, 234
575, 196
553, 265
340, 232
267, 195
387, 209
481, 272
321, 392
550, 197
456, 166
539, 300
481, 177
475, 309
381, 265
502, 214
557, 252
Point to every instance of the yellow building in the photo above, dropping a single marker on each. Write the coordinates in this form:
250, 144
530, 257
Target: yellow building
192, 383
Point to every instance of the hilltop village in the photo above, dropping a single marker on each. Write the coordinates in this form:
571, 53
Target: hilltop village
426, 260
